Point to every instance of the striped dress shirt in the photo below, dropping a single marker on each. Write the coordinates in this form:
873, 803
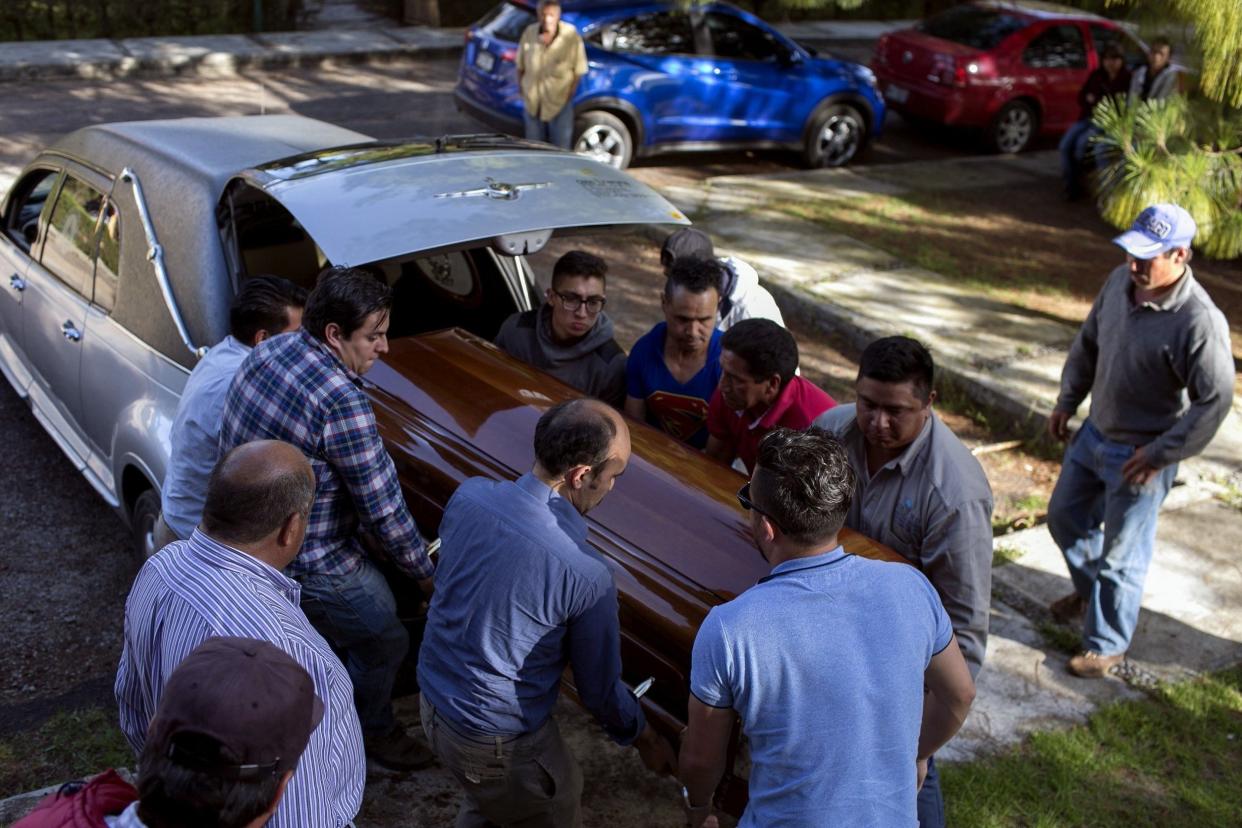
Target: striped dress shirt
293, 388
196, 589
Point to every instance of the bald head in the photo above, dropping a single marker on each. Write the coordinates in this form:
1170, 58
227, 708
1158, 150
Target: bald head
577, 433
254, 489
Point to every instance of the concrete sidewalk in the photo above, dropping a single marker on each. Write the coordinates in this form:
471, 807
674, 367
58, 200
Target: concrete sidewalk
1008, 359
214, 55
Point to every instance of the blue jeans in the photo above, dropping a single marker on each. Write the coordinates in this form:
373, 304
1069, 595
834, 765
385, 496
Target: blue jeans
357, 614
558, 131
931, 802
1075, 146
1106, 529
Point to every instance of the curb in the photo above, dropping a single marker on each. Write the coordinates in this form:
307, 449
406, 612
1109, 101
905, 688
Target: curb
825, 317
194, 56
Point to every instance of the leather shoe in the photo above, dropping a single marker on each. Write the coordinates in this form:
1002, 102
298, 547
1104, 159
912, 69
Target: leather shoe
396, 751
1092, 665
1071, 609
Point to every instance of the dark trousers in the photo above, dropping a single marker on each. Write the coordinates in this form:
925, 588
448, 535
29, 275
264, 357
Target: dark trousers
931, 802
526, 781
357, 614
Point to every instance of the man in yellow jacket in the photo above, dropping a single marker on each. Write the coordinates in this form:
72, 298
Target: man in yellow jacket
551, 59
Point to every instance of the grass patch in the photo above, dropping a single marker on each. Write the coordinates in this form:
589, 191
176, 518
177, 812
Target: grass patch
1002, 554
70, 745
1059, 637
1231, 496
929, 230
1171, 759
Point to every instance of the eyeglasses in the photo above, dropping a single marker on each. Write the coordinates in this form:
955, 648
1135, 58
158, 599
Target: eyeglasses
572, 301
743, 497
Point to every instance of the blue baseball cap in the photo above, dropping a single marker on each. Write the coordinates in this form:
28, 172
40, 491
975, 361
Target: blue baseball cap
1158, 229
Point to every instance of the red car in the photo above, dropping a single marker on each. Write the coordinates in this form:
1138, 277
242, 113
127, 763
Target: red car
1013, 69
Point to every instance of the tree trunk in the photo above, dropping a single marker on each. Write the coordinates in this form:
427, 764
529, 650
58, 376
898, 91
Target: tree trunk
422, 12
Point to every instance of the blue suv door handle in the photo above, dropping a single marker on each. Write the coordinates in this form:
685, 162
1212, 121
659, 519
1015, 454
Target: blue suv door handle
70, 331
17, 282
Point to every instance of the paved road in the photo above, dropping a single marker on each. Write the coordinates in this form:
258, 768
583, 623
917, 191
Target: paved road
388, 102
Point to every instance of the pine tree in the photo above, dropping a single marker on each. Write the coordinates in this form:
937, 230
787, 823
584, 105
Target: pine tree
1184, 149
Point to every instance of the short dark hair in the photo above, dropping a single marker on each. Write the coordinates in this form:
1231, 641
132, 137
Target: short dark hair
573, 433
899, 359
579, 263
803, 480
346, 296
694, 276
1161, 40
243, 509
766, 347
1112, 50
263, 304
175, 796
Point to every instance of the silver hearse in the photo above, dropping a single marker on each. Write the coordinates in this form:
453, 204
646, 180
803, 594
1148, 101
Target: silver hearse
124, 243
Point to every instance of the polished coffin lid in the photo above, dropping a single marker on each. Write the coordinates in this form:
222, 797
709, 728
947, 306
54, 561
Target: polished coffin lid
373, 202
673, 509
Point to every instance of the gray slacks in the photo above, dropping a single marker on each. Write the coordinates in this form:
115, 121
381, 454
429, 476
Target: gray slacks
526, 781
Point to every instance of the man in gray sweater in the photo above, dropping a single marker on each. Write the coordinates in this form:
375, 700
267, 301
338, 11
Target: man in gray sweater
1154, 354
570, 336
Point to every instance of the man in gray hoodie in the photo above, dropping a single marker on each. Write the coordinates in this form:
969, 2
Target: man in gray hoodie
570, 336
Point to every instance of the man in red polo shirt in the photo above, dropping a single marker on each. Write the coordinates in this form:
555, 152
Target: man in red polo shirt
759, 390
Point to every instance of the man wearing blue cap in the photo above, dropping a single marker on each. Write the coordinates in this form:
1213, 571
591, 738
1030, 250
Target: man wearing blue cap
1154, 354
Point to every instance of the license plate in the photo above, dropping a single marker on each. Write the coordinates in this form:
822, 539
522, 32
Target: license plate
485, 60
896, 94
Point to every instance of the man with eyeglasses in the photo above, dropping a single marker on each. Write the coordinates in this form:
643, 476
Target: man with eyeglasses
1154, 355
921, 492
570, 336
841, 720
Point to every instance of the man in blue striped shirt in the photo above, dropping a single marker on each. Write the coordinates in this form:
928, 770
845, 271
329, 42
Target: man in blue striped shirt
305, 389
226, 581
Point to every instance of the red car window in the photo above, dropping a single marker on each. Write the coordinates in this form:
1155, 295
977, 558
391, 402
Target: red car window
1057, 47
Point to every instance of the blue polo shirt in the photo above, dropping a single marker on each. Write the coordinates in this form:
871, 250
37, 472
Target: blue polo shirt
823, 660
679, 408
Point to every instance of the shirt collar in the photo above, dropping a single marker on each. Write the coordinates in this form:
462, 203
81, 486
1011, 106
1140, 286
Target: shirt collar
777, 409
904, 460
1171, 301
569, 517
321, 346
126, 819
226, 557
832, 556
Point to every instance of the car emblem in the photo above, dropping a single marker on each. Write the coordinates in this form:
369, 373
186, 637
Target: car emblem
907, 56
498, 190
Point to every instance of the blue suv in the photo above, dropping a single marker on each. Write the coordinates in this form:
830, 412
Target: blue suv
672, 77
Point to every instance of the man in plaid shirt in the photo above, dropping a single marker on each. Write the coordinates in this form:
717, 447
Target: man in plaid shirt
305, 388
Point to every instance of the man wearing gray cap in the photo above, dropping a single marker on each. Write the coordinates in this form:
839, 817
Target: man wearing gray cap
1154, 354
234, 719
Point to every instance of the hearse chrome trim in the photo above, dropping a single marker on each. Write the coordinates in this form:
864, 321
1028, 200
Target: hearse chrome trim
155, 255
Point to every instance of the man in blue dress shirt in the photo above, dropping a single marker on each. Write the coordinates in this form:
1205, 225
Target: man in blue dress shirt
520, 594
264, 307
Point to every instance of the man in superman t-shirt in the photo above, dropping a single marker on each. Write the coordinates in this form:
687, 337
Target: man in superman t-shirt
674, 368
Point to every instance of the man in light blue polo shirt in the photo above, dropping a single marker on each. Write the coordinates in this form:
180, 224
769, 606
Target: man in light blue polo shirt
826, 661
265, 306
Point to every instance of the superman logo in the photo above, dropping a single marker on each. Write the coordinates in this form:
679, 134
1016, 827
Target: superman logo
679, 415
